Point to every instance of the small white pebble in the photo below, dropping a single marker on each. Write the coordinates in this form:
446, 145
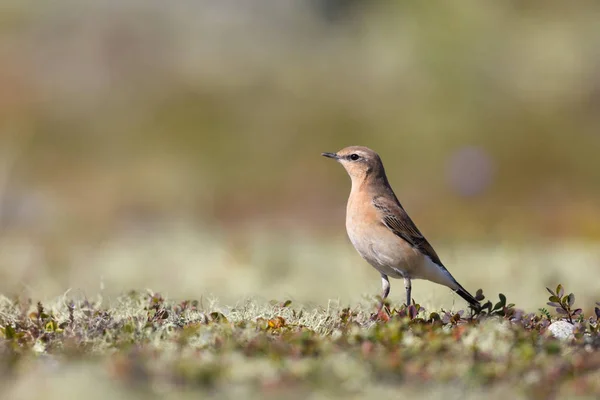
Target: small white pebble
39, 347
562, 330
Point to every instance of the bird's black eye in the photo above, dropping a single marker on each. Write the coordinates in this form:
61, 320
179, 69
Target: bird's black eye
354, 157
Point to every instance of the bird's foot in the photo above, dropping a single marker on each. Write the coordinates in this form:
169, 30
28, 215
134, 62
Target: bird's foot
382, 314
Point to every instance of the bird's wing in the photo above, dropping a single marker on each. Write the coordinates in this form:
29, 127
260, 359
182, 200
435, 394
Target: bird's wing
397, 220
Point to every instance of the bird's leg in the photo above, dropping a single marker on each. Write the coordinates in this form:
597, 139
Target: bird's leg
408, 287
385, 286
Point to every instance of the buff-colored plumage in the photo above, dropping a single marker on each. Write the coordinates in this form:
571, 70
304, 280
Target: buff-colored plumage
381, 230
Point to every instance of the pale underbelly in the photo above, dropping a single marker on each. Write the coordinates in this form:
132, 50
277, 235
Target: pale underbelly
394, 259
393, 256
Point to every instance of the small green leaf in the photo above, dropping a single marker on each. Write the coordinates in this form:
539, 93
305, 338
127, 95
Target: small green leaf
128, 328
560, 291
553, 347
545, 312
50, 326
434, 316
218, 317
502, 299
571, 299
488, 306
9, 332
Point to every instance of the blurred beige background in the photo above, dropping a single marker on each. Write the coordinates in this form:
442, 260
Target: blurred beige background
177, 146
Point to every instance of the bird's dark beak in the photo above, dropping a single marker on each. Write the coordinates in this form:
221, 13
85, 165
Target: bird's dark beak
331, 155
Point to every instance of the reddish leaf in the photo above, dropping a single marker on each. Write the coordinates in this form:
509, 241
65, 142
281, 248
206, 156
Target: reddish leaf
383, 315
412, 311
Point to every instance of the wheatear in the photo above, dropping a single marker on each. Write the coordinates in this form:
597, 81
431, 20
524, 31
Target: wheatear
383, 233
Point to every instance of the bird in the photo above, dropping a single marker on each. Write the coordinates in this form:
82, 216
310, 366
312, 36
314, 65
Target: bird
383, 233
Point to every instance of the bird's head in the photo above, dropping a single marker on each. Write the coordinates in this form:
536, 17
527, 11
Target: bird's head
359, 162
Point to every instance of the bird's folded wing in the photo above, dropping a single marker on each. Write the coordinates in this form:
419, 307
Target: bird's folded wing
397, 220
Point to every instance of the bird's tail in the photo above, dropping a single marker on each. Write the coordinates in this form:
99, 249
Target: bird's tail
437, 273
468, 297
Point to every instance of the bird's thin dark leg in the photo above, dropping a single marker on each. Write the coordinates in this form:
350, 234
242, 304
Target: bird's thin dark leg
408, 287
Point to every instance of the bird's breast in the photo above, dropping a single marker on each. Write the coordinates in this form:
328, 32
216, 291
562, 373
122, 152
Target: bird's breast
378, 245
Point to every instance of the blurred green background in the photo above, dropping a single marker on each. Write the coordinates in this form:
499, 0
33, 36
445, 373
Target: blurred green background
177, 145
